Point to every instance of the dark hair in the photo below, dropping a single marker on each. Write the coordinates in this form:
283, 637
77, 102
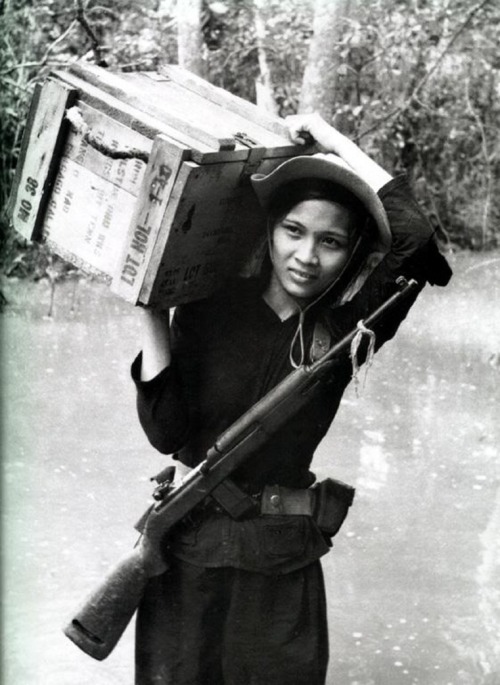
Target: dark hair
302, 189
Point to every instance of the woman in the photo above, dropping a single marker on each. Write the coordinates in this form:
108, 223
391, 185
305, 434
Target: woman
243, 600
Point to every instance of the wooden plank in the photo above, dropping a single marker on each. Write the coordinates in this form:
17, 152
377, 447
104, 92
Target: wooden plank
85, 267
129, 116
223, 98
203, 233
144, 123
23, 152
125, 173
94, 194
191, 107
164, 163
119, 87
86, 216
157, 254
35, 171
188, 110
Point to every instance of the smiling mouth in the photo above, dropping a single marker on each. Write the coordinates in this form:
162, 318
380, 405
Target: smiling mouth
302, 276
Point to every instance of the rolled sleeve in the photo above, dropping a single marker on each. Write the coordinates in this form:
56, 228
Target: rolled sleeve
162, 412
414, 252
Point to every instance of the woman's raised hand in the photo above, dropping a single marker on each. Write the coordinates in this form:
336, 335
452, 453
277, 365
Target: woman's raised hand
329, 139
313, 125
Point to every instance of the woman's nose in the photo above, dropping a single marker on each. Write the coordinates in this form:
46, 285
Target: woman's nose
306, 252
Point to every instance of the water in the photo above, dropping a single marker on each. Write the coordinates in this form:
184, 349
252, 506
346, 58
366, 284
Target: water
414, 577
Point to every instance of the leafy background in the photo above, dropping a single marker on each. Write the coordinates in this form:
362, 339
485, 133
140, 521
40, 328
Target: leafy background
416, 84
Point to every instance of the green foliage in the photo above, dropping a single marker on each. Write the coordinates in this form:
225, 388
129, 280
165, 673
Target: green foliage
416, 86
422, 96
235, 66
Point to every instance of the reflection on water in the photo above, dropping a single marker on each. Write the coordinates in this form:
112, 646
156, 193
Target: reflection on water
488, 581
373, 461
413, 579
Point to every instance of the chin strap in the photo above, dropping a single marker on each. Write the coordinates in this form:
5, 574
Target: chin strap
299, 335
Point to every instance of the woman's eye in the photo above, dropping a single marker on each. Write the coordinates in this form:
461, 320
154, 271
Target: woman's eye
331, 241
292, 230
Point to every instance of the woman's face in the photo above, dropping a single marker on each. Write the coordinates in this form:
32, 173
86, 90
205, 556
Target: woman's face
310, 246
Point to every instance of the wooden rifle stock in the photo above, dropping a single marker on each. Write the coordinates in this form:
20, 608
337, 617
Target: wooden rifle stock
101, 621
99, 624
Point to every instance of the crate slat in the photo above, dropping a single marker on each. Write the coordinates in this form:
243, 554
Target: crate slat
179, 118
223, 98
200, 112
159, 178
43, 134
205, 233
94, 195
85, 217
114, 135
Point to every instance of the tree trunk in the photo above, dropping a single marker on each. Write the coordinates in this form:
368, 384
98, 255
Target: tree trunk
189, 36
319, 85
264, 85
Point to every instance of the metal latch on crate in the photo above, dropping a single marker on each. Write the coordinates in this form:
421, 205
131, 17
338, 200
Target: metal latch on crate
256, 154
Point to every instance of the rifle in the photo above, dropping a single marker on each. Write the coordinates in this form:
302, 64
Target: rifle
99, 624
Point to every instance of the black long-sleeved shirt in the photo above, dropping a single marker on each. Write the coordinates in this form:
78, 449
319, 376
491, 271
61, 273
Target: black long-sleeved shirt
231, 349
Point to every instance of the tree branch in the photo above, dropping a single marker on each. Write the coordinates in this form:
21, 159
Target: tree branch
264, 85
489, 175
402, 108
45, 57
452, 40
96, 47
429, 191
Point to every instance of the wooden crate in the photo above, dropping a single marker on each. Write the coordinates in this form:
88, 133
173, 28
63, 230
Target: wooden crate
143, 178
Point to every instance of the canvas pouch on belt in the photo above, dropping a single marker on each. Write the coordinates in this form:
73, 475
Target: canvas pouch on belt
327, 502
333, 499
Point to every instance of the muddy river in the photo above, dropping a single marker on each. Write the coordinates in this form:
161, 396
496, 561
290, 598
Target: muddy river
414, 577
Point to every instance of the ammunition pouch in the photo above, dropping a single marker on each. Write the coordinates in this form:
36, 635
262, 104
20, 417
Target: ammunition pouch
332, 501
327, 502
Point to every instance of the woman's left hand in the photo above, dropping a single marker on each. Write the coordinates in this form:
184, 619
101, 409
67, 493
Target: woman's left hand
313, 125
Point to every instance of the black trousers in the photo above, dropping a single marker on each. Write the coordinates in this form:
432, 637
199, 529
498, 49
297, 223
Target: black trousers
225, 626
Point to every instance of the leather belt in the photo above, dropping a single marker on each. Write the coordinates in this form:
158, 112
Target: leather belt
278, 500
272, 500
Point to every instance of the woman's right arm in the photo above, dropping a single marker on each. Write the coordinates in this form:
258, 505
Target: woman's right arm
163, 411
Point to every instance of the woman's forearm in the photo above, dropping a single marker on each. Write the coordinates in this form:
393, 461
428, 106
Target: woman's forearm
331, 140
155, 343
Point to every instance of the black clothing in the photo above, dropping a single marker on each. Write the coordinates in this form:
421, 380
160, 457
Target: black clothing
231, 349
219, 626
244, 600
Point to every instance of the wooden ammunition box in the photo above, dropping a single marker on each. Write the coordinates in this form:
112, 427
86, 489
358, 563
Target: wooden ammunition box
143, 178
